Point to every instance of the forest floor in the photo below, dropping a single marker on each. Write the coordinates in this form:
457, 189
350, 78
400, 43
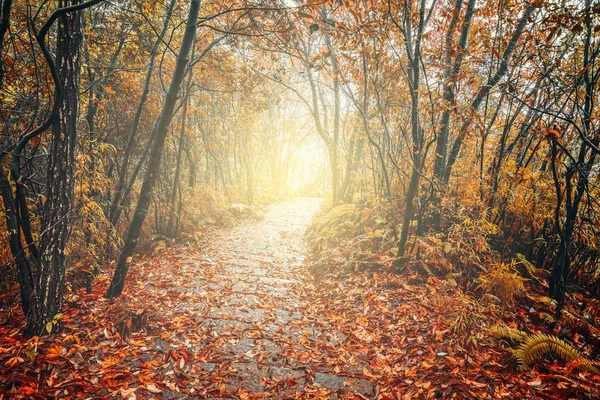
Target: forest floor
237, 315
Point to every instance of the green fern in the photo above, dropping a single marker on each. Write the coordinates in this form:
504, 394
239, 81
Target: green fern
536, 345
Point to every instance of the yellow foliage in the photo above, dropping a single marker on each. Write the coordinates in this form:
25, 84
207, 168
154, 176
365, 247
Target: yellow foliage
537, 345
503, 281
506, 332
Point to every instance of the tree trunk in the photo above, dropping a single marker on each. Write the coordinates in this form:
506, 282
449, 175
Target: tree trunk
56, 215
5, 6
451, 72
483, 92
162, 128
16, 246
171, 228
414, 81
120, 191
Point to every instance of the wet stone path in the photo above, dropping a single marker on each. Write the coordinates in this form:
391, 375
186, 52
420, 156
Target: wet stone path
255, 304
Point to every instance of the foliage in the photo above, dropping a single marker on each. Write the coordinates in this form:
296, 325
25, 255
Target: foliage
351, 237
531, 347
503, 281
536, 345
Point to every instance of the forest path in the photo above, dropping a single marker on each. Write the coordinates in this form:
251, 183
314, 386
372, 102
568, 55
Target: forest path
268, 336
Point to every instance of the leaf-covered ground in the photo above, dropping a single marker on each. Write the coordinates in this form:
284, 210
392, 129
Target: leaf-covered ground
237, 315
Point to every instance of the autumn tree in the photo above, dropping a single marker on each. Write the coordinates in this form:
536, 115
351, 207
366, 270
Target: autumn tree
162, 128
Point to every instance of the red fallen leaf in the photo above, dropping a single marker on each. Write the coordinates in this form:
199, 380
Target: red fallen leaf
56, 351
109, 90
310, 376
28, 390
423, 385
222, 389
34, 142
562, 385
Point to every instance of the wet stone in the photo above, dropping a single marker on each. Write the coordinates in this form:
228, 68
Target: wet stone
248, 300
229, 325
292, 378
283, 317
337, 338
277, 282
245, 272
242, 314
276, 292
208, 367
244, 345
161, 345
213, 286
334, 382
244, 287
246, 376
242, 262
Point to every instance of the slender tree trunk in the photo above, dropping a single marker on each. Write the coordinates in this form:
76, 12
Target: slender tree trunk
5, 6
451, 72
416, 131
483, 92
115, 211
335, 172
171, 227
16, 246
56, 215
162, 128
583, 166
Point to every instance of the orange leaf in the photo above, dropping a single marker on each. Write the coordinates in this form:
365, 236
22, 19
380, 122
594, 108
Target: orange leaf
28, 390
13, 361
55, 351
109, 90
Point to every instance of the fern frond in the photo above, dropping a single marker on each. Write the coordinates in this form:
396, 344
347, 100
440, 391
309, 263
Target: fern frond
536, 345
545, 300
549, 318
506, 332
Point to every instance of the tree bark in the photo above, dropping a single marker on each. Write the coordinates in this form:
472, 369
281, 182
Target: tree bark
5, 6
56, 214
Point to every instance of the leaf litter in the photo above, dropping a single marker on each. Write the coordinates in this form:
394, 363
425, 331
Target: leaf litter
238, 315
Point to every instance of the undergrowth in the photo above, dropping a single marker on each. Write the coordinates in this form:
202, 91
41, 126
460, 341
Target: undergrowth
492, 288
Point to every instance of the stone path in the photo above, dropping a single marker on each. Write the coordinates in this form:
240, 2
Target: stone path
267, 336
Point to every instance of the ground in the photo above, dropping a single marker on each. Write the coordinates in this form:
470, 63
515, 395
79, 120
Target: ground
236, 314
